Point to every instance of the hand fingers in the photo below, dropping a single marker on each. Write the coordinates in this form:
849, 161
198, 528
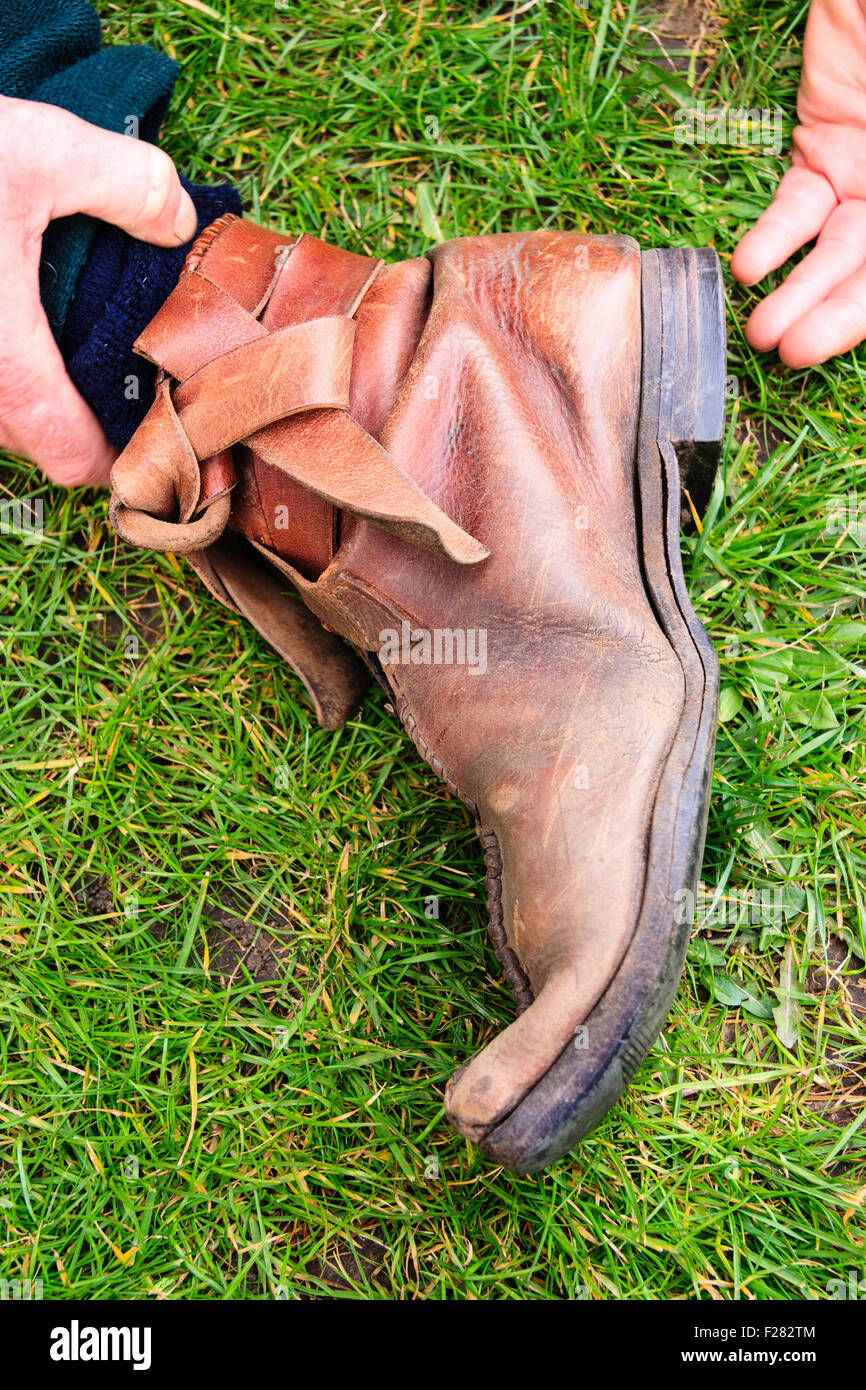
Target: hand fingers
835, 325
41, 414
840, 251
801, 206
68, 166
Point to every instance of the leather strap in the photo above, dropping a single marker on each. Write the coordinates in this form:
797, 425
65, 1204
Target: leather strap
277, 385
250, 428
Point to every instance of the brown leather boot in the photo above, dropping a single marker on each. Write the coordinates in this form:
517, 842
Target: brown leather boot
471, 466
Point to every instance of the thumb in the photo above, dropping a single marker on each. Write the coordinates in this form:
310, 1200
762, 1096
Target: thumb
117, 178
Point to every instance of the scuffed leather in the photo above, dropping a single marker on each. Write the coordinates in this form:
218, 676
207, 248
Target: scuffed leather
500, 374
280, 388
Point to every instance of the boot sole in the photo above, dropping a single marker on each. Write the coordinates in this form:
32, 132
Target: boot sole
680, 433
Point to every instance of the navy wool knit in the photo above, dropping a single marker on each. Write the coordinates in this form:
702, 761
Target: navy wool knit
122, 285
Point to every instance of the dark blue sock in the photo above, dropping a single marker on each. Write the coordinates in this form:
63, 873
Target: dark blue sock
122, 285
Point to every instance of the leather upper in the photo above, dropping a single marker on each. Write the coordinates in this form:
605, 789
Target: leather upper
445, 443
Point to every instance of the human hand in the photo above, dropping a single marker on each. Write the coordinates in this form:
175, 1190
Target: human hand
820, 308
53, 164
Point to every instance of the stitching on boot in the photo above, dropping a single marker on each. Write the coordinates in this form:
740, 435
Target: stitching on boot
205, 240
515, 975
507, 956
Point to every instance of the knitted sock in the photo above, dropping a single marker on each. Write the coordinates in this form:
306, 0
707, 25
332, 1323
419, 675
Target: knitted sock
122, 285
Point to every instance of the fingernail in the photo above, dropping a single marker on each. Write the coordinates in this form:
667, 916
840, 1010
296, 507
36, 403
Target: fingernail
187, 218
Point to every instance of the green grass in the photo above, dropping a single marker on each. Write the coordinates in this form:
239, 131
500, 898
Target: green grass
165, 1131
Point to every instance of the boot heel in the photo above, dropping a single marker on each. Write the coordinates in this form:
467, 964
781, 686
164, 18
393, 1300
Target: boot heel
683, 387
